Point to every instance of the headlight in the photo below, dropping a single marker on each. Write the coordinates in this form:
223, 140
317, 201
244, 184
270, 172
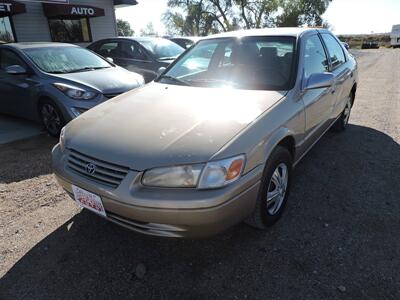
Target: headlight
75, 92
220, 173
213, 175
179, 176
62, 139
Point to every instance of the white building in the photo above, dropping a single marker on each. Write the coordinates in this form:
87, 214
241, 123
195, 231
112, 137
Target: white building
70, 21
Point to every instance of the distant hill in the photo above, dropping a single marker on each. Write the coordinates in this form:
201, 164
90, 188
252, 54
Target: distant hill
355, 40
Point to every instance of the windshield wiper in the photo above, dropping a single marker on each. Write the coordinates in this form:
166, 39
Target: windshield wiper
172, 78
167, 58
86, 69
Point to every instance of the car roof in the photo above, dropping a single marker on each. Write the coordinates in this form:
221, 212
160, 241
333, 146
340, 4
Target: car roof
37, 45
281, 31
137, 38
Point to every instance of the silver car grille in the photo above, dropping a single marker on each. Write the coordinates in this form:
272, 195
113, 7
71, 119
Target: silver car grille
95, 169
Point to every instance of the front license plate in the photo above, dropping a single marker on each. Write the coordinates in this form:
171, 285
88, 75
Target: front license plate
88, 200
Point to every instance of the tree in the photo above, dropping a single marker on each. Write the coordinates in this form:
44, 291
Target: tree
148, 30
302, 12
124, 28
202, 17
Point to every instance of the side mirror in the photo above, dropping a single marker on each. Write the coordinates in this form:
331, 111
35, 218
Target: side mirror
319, 81
109, 59
16, 70
161, 70
346, 45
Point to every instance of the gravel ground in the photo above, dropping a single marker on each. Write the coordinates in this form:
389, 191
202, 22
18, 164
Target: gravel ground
339, 237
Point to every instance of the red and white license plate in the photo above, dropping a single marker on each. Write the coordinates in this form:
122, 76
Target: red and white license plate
88, 200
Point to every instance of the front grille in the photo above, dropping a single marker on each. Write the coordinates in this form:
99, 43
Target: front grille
105, 173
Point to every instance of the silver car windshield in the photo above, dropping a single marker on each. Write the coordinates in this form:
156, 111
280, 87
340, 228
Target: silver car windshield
61, 60
260, 63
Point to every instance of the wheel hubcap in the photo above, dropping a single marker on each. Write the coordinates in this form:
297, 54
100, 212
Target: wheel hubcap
51, 119
277, 188
346, 112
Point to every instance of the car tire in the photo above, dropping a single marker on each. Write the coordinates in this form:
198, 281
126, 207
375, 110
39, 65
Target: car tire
343, 120
51, 117
272, 195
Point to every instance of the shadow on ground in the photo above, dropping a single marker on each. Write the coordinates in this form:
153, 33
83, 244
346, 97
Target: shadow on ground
340, 229
26, 159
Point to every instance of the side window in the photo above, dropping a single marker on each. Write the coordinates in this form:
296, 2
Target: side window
132, 51
335, 50
315, 59
108, 49
9, 58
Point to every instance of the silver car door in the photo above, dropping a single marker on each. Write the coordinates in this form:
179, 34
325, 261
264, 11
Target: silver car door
341, 71
317, 102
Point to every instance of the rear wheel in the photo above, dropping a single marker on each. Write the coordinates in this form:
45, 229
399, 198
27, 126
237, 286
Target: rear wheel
343, 120
274, 190
51, 117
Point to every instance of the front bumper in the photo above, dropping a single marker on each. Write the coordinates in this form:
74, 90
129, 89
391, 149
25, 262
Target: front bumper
167, 212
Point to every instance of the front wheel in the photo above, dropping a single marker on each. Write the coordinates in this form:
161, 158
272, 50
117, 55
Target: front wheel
274, 190
52, 118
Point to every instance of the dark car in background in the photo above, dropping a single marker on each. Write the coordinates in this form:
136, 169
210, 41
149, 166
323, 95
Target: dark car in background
370, 45
184, 41
54, 83
143, 55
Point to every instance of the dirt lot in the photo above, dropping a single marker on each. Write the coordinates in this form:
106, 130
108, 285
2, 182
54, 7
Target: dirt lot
339, 237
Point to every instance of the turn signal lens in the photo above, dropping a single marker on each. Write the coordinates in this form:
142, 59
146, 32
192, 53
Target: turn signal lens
234, 169
220, 173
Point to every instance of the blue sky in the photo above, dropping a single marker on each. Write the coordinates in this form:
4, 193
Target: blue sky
346, 16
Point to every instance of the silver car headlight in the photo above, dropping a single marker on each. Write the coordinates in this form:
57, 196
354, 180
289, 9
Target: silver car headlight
62, 139
214, 174
75, 92
178, 176
222, 172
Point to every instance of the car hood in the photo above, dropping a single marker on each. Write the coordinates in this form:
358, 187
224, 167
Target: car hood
112, 80
160, 125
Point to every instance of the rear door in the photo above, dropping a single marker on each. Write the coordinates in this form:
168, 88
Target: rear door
317, 102
136, 59
15, 90
342, 72
107, 48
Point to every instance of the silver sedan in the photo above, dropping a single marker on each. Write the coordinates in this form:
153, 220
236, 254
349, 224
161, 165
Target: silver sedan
214, 139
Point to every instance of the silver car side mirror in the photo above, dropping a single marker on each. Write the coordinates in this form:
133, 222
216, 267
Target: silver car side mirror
346, 45
161, 70
319, 81
16, 70
109, 59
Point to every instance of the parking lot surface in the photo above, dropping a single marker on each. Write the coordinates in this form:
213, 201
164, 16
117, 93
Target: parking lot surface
339, 237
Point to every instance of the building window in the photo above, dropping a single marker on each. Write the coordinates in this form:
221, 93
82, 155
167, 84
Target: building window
70, 30
6, 30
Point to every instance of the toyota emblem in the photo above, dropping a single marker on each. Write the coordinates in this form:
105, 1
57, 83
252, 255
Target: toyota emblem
90, 168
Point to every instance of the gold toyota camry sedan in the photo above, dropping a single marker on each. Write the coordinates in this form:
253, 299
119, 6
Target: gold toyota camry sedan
213, 140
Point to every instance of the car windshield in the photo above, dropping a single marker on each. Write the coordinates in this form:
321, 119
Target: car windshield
162, 48
259, 63
59, 60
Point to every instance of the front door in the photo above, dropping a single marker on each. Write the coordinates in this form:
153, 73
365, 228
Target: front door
14, 89
318, 103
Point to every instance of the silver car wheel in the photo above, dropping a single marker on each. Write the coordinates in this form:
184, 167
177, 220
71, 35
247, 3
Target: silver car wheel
346, 112
277, 188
